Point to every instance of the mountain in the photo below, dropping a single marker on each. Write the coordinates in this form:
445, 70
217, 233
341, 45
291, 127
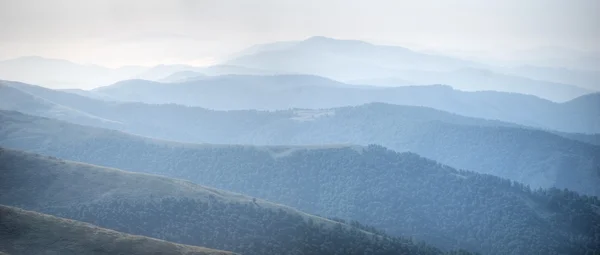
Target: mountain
401, 193
583, 78
476, 79
343, 59
62, 74
88, 93
183, 76
16, 99
239, 92
162, 71
221, 92
534, 157
177, 210
582, 111
383, 82
27, 232
351, 61
216, 70
471, 79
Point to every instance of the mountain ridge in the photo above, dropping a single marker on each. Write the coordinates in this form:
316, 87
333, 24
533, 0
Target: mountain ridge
348, 60
281, 92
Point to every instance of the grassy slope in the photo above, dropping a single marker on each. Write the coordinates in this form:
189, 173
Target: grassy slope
27, 232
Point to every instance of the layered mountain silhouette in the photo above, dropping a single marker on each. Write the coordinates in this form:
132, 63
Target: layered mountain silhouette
534, 157
319, 146
351, 60
239, 92
344, 60
583, 78
401, 193
309, 147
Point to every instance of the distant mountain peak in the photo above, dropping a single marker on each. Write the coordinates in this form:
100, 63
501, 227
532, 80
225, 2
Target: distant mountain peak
320, 38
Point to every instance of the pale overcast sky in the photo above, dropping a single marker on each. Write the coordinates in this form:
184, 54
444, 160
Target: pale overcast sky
121, 32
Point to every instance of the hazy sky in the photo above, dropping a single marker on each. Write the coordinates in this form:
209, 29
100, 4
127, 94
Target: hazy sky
121, 32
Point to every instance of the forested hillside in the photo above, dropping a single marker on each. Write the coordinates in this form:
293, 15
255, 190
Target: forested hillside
25, 233
533, 157
179, 211
400, 193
